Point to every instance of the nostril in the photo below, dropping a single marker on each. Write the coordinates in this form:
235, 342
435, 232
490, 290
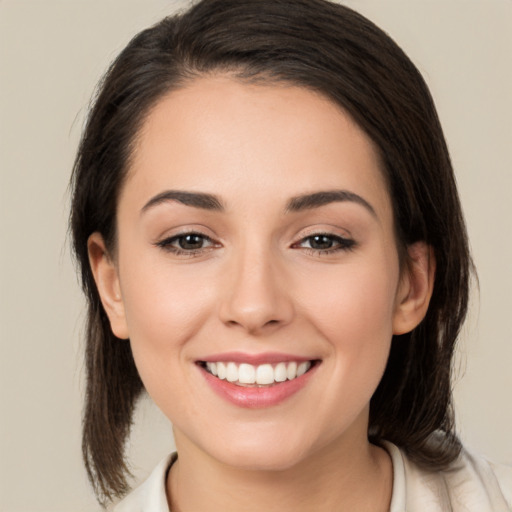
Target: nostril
253, 324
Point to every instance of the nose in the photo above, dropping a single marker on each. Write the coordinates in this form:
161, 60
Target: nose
257, 297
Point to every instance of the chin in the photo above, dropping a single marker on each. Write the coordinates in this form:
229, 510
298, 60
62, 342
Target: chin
268, 458
259, 451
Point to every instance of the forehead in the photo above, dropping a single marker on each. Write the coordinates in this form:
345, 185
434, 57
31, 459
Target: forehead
272, 141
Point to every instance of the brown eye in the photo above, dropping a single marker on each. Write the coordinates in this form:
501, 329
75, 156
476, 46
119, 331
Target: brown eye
186, 243
326, 243
321, 242
191, 242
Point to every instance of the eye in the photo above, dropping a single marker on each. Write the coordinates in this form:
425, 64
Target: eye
186, 243
326, 243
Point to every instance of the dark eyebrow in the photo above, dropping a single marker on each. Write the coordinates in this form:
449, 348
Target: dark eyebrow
194, 199
317, 199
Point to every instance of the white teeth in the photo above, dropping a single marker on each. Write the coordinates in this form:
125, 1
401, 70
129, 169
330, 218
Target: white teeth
280, 372
246, 374
231, 372
262, 375
303, 368
291, 370
212, 367
221, 370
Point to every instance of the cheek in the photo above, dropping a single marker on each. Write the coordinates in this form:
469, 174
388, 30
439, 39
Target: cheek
353, 306
165, 307
355, 317
354, 313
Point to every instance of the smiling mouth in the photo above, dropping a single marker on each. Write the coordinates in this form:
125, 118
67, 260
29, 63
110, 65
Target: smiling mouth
263, 375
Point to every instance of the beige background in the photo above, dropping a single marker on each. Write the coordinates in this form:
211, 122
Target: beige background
51, 55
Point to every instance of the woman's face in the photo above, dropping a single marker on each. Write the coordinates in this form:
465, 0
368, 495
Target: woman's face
255, 237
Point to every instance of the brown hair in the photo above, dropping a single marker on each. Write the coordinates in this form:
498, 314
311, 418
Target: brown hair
327, 48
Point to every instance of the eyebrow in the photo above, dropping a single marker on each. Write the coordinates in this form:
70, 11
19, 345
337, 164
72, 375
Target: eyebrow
295, 204
322, 198
195, 199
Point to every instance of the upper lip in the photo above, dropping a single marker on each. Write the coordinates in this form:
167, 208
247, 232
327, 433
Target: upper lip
255, 359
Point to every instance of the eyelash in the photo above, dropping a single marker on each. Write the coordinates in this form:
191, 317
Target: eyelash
166, 244
343, 244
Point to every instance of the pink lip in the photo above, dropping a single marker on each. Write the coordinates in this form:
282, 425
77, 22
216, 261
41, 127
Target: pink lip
253, 397
255, 359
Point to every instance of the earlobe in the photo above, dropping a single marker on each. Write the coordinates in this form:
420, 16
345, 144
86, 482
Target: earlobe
107, 281
415, 288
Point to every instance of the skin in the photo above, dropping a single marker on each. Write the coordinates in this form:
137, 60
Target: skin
260, 285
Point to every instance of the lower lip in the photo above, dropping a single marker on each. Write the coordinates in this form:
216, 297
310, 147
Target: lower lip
254, 397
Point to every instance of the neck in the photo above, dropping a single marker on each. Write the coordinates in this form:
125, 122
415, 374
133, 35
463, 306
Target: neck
344, 475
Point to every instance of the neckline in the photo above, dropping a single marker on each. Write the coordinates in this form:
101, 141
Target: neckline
398, 492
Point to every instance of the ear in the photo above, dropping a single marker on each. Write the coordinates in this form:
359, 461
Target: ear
106, 277
415, 288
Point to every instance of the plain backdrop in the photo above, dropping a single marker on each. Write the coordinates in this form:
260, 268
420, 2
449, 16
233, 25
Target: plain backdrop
51, 55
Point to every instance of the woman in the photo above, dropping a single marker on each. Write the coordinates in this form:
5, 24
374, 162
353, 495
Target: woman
264, 206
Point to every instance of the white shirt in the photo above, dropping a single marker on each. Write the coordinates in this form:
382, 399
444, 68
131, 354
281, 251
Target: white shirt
470, 484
